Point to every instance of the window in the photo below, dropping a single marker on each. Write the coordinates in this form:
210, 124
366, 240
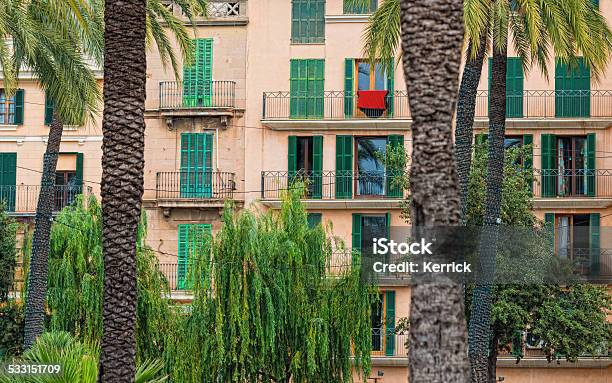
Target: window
191, 240
197, 76
196, 165
572, 90
307, 21
366, 227
568, 165
383, 324
8, 179
514, 86
306, 85
577, 238
371, 172
351, 7
68, 179
305, 163
370, 77
11, 108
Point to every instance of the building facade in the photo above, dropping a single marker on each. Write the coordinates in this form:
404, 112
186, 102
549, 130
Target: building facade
280, 89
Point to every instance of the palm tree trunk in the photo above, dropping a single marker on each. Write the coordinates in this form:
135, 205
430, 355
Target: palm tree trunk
493, 352
39, 262
480, 320
466, 110
122, 181
432, 39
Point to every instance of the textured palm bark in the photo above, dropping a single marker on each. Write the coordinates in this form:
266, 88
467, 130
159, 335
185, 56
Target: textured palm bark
122, 181
493, 358
466, 110
432, 39
39, 260
480, 319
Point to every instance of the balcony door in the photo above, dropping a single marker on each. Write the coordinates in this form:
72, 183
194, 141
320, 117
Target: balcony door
197, 76
371, 171
568, 166
383, 324
577, 238
572, 90
8, 179
305, 163
196, 165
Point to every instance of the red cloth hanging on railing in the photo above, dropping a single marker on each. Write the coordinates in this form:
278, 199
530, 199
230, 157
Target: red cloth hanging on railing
372, 99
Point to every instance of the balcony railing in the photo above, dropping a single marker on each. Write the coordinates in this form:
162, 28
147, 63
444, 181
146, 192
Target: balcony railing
529, 104
331, 105
553, 183
333, 184
215, 9
216, 94
388, 344
23, 199
195, 185
591, 263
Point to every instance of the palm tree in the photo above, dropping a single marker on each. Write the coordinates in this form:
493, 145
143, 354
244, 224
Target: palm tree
50, 36
48, 43
432, 39
535, 29
126, 30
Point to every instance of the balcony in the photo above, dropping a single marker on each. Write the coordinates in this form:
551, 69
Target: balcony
388, 345
22, 200
217, 13
194, 189
283, 110
335, 190
218, 101
588, 188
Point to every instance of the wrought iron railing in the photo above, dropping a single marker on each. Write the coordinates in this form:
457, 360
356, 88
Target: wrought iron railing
23, 199
589, 262
215, 9
552, 183
388, 344
333, 184
195, 185
340, 105
330, 105
216, 94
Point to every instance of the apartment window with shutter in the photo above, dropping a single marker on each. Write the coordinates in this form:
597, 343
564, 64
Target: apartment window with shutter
11, 108
308, 21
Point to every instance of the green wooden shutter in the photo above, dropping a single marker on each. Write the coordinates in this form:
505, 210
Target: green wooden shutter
317, 167
19, 101
292, 157
197, 77
572, 90
79, 170
528, 160
8, 179
514, 86
191, 238
349, 84
307, 21
314, 219
393, 189
594, 242
517, 344
591, 184
390, 322
549, 166
549, 220
49, 108
356, 236
391, 88
344, 167
196, 165
306, 88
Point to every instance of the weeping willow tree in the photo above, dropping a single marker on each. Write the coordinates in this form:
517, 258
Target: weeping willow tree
265, 308
76, 276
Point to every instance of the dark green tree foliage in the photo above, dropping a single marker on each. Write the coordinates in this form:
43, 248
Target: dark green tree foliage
8, 253
265, 309
569, 320
76, 275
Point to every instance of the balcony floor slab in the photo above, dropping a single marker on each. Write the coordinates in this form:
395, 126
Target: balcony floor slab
354, 124
338, 204
508, 362
572, 203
